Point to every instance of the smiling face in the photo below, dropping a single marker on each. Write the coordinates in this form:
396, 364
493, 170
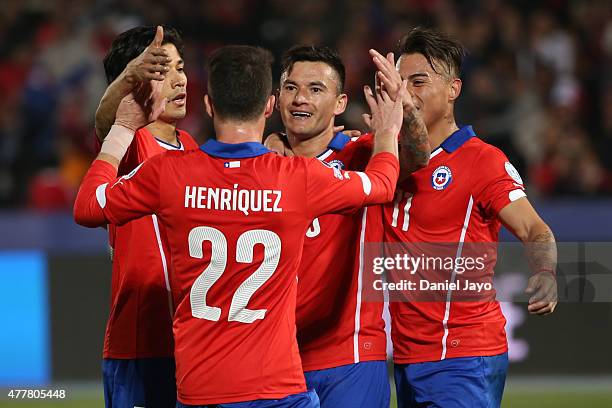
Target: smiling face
175, 87
433, 92
309, 99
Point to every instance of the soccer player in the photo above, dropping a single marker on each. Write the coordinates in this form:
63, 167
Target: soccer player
138, 365
236, 216
453, 353
341, 337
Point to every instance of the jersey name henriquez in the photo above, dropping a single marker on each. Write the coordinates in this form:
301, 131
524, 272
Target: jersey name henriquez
233, 277
235, 199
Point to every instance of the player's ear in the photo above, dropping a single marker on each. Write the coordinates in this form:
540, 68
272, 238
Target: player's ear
269, 106
455, 89
208, 106
341, 102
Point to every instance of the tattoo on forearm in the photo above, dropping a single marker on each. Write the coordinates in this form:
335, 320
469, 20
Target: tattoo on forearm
542, 252
414, 142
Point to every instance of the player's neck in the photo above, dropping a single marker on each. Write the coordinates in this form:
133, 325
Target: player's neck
164, 131
312, 146
239, 132
439, 132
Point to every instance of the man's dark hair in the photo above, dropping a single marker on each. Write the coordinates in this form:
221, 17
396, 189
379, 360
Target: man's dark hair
312, 53
131, 43
240, 81
438, 48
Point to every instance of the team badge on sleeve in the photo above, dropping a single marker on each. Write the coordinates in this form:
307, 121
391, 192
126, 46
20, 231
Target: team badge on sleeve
513, 172
336, 166
441, 177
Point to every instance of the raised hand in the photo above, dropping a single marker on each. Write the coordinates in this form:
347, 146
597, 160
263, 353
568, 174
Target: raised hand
142, 106
151, 64
390, 79
386, 114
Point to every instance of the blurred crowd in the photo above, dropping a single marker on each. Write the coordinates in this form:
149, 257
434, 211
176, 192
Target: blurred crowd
537, 81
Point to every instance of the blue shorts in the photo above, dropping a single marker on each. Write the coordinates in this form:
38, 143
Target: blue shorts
470, 382
364, 384
306, 399
142, 382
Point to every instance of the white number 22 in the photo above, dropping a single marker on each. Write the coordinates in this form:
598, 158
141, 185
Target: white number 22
218, 261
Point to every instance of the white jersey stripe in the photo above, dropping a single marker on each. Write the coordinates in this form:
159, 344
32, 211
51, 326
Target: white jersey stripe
164, 264
435, 152
101, 195
365, 182
399, 196
466, 222
407, 212
325, 155
359, 287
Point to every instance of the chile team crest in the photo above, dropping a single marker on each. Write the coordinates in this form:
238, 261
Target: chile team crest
441, 177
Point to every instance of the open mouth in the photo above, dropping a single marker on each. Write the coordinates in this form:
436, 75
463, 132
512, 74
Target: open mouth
180, 99
301, 115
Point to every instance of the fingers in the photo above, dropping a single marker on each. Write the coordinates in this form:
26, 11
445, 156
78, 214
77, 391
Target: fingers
542, 308
390, 85
349, 133
352, 132
377, 88
532, 285
385, 64
367, 119
369, 96
159, 37
157, 58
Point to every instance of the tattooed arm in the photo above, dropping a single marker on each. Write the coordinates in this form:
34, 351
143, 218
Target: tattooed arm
541, 250
414, 143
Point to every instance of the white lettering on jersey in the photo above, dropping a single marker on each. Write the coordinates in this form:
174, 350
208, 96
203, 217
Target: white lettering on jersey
225, 199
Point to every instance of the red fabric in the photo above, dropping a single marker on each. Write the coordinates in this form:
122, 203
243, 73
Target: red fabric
220, 357
140, 321
475, 328
329, 295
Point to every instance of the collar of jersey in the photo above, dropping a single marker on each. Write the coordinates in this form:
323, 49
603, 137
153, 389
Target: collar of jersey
337, 143
457, 139
234, 150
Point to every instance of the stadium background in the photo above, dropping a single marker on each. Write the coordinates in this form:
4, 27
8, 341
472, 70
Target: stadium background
537, 83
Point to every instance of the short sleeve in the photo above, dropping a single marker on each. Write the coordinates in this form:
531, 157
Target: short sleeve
496, 181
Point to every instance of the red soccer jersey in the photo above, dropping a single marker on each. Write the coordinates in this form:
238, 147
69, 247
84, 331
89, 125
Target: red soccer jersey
455, 199
140, 320
335, 325
236, 218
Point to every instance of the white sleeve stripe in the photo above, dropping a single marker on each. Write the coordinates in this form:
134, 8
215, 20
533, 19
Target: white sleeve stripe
365, 181
101, 194
516, 194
